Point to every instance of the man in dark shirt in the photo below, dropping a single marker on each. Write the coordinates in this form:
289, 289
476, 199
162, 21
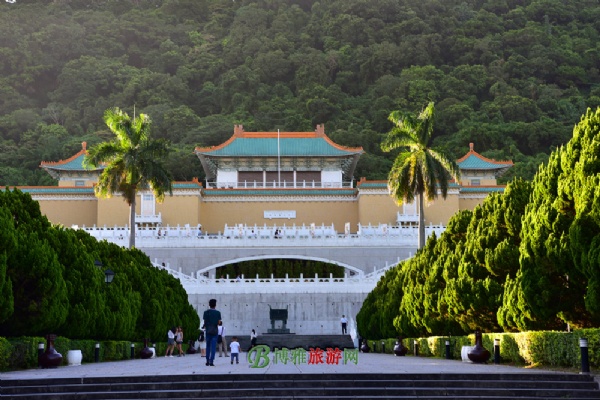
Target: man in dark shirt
211, 319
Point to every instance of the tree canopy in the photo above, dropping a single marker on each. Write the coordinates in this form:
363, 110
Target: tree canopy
510, 76
49, 282
418, 171
132, 162
525, 259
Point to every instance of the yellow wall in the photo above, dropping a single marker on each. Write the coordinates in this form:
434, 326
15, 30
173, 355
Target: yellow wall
439, 211
113, 211
376, 209
373, 208
179, 210
70, 212
215, 215
469, 204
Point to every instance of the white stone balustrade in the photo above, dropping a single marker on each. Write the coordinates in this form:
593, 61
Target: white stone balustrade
262, 236
302, 284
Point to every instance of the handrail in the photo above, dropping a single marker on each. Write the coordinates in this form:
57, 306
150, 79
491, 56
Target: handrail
282, 184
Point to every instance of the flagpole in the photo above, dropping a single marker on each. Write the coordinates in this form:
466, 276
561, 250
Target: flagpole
278, 162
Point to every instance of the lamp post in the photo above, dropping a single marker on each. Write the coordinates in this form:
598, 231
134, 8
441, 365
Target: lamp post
496, 351
585, 360
109, 275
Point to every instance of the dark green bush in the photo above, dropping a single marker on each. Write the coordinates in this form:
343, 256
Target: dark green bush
536, 348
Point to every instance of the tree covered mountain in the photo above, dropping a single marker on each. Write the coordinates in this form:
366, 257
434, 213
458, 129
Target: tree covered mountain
512, 76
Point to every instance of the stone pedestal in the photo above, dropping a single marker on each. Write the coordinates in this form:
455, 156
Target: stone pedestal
277, 331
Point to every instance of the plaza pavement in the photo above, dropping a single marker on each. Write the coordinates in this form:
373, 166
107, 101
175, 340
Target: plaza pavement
195, 364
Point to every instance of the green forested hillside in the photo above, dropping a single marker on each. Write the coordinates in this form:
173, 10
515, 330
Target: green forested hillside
512, 76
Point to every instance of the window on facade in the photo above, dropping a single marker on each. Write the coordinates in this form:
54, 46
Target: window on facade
475, 182
79, 183
250, 177
286, 177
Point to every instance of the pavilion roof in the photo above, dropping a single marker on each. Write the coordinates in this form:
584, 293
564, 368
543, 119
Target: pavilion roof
73, 163
284, 144
475, 161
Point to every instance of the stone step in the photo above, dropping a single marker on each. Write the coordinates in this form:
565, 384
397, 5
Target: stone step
292, 341
308, 386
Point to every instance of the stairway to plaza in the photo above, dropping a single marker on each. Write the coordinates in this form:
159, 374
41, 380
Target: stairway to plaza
308, 386
292, 341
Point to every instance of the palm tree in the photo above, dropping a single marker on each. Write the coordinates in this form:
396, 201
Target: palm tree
419, 170
132, 162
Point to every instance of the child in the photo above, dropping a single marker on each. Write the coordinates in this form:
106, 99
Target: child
235, 349
202, 343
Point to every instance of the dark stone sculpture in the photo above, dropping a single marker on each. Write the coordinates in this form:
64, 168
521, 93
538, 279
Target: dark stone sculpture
191, 349
50, 358
365, 347
478, 354
146, 353
399, 348
278, 314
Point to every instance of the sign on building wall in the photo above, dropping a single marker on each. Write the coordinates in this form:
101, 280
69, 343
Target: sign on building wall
285, 214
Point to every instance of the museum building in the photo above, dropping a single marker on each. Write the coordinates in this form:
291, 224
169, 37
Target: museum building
263, 178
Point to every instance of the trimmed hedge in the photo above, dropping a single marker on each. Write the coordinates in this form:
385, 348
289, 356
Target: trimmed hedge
537, 349
22, 353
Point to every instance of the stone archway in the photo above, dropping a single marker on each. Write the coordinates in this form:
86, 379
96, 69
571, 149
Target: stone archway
209, 269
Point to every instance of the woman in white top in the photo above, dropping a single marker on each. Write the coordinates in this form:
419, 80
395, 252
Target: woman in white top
170, 342
253, 338
179, 341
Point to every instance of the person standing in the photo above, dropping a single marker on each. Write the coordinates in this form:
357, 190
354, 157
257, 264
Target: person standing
211, 318
344, 322
170, 342
235, 350
253, 338
179, 341
221, 342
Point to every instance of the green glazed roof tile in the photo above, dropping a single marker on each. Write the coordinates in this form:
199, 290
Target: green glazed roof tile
288, 147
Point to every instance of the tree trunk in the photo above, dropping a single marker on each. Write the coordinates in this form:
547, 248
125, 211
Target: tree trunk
132, 224
421, 222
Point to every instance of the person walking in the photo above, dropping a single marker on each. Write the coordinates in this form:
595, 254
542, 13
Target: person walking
170, 342
211, 318
253, 338
221, 341
179, 341
344, 322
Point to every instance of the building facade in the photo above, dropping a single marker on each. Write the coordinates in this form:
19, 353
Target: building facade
263, 179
